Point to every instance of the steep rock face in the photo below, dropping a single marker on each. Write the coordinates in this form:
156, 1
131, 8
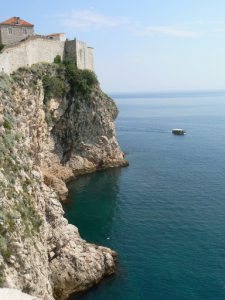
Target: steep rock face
42, 145
79, 135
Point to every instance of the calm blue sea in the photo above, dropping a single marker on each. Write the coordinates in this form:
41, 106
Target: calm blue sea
165, 213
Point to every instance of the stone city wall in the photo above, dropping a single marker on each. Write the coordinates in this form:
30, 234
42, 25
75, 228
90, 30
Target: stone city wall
84, 56
80, 53
90, 58
38, 49
28, 52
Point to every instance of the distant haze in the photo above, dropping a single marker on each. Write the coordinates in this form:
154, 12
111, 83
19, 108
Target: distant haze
143, 45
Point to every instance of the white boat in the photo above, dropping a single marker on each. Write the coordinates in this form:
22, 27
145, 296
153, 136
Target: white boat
178, 131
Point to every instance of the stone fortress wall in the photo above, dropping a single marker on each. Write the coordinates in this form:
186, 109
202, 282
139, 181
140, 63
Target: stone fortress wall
78, 51
37, 49
29, 52
84, 56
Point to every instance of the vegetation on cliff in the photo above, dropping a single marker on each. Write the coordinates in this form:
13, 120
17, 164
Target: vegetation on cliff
1, 47
68, 80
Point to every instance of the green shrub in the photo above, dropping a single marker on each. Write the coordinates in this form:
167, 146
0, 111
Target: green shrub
81, 81
89, 77
2, 276
1, 47
5, 83
53, 87
68, 79
57, 59
7, 124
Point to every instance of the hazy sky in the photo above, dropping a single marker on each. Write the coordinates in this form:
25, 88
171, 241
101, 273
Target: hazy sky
140, 45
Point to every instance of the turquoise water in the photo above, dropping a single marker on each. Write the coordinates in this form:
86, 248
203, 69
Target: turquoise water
165, 213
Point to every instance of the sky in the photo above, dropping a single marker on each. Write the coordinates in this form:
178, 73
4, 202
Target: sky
140, 45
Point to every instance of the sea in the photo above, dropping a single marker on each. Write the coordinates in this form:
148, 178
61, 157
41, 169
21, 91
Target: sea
164, 214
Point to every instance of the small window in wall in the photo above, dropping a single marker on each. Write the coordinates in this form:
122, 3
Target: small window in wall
10, 30
24, 31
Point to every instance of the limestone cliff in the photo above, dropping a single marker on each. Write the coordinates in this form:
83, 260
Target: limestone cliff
50, 133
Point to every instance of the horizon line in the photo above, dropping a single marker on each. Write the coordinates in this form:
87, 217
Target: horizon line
168, 91
168, 94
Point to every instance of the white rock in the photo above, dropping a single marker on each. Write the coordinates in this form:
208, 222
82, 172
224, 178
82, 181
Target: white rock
13, 294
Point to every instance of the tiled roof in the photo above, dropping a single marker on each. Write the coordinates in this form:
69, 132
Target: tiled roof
17, 22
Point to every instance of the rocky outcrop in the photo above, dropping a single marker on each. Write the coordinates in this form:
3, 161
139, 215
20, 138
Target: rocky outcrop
45, 142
